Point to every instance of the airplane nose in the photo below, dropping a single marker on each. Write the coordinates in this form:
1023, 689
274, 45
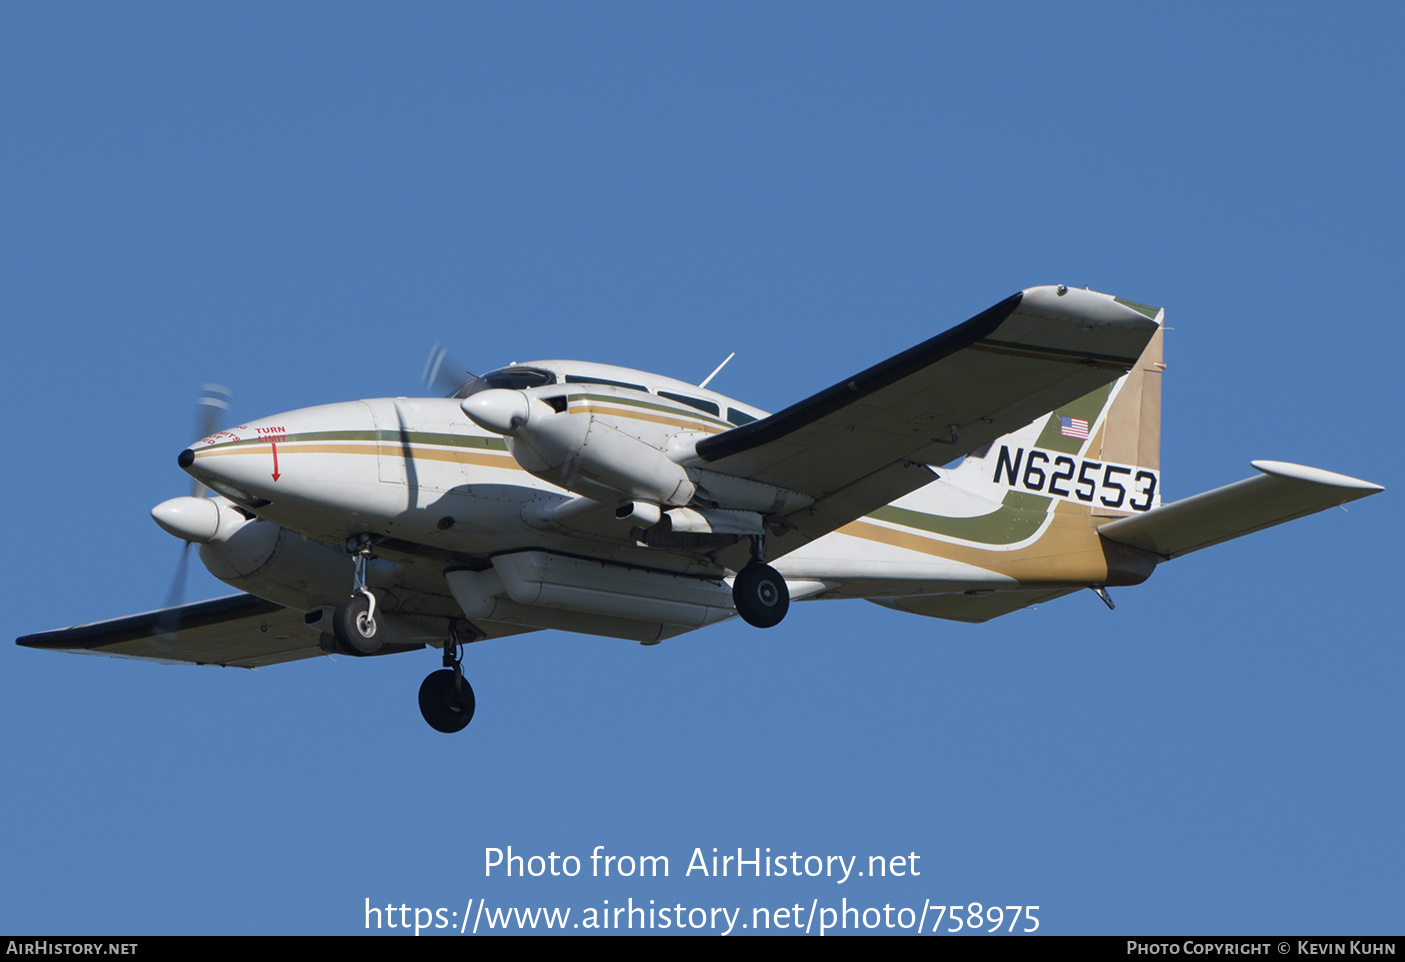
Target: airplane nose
287, 456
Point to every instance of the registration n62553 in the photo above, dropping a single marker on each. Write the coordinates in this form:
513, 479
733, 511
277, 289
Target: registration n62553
1103, 484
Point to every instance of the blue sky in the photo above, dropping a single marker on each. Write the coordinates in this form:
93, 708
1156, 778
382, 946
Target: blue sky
298, 200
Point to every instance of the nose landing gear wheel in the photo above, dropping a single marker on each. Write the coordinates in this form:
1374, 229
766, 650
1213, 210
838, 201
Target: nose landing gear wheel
446, 701
760, 595
357, 628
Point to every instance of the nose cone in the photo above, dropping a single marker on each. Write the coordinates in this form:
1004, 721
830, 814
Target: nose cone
497, 410
190, 519
284, 456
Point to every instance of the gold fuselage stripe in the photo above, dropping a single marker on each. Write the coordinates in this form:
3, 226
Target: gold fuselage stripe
1067, 552
417, 452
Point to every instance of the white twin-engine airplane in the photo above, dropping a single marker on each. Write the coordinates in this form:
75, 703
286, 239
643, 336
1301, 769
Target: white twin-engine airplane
598, 499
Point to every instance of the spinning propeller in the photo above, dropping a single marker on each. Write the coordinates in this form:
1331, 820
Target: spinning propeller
445, 376
194, 518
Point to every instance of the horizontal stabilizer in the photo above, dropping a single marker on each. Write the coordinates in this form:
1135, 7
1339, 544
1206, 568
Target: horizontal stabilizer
1280, 493
239, 631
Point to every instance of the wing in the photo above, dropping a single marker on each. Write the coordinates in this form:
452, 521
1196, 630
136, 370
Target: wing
866, 441
240, 631
1280, 493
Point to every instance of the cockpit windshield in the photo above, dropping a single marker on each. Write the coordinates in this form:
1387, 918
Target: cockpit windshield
513, 378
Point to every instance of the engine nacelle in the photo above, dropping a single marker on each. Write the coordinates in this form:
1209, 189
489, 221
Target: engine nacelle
579, 452
272, 562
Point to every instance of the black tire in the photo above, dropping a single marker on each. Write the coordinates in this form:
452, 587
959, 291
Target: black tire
760, 595
355, 633
446, 709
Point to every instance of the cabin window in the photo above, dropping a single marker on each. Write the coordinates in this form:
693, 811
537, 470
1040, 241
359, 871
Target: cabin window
739, 417
696, 402
585, 379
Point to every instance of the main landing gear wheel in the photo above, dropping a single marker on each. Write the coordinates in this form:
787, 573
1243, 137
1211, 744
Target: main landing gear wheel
446, 701
760, 595
357, 629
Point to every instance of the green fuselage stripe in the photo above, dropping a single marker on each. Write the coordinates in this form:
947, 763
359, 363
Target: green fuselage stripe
391, 437
1018, 517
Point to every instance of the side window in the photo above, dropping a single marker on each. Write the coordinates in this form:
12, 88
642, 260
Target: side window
698, 403
585, 379
739, 417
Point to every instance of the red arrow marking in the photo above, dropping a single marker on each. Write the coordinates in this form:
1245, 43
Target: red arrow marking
274, 446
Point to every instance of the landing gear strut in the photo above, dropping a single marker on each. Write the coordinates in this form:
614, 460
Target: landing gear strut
759, 592
446, 697
354, 624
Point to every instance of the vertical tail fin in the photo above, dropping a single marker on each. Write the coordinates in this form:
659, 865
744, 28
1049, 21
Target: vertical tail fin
1132, 430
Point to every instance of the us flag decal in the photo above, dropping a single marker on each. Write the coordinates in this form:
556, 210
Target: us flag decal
1073, 428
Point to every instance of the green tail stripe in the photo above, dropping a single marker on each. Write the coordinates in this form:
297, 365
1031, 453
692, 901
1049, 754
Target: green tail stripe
1088, 407
1144, 309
